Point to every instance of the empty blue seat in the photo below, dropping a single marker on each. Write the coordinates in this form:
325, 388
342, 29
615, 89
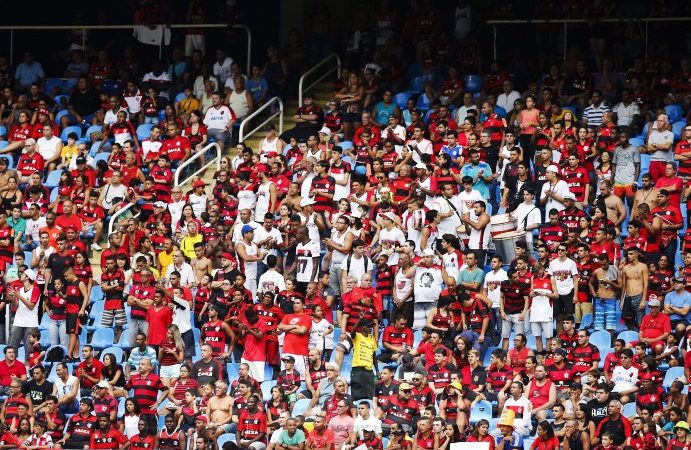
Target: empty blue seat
53, 179
636, 141
102, 338
67, 130
96, 293
416, 85
3, 131
586, 321
346, 145
401, 99
222, 439
58, 98
95, 317
671, 375
423, 102
91, 129
677, 128
482, 410
629, 410
674, 112
266, 389
125, 340
628, 336
601, 339
116, 351
488, 355
144, 130
473, 83
59, 116
4, 144
101, 157
300, 407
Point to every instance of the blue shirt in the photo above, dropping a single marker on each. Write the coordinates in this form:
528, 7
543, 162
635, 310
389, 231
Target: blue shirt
453, 153
679, 301
517, 442
27, 74
474, 276
472, 171
257, 87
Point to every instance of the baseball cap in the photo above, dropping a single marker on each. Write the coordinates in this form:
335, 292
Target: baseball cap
103, 384
428, 252
561, 351
552, 168
247, 229
678, 280
389, 215
227, 256
569, 196
199, 183
653, 302
289, 359
405, 387
326, 131
201, 418
160, 204
307, 201
421, 166
368, 427
30, 274
81, 160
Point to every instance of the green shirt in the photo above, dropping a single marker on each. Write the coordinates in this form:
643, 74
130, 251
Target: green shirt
19, 226
296, 439
474, 276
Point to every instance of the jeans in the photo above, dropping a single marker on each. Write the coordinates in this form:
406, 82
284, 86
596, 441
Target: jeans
335, 278
57, 332
137, 326
19, 335
670, 251
636, 304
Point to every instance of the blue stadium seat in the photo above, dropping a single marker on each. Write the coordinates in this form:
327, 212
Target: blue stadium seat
59, 116
116, 351
28, 256
58, 98
603, 354
645, 165
179, 97
54, 194
95, 318
232, 369
482, 410
401, 99
125, 340
53, 179
101, 157
222, 439
45, 338
628, 336
121, 407
266, 389
601, 339
45, 321
144, 130
300, 407
103, 337
346, 145
473, 83
96, 293
416, 85
196, 332
73, 129
488, 355
586, 321
3, 144
423, 102
3, 131
629, 410
636, 141
672, 373
674, 112
677, 128
91, 129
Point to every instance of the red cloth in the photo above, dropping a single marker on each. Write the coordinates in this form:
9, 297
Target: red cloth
158, 321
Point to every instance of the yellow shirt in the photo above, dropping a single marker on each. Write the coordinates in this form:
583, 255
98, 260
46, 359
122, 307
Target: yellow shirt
187, 105
67, 152
165, 259
363, 351
187, 245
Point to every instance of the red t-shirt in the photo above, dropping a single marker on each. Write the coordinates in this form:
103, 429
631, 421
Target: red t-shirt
94, 371
293, 343
549, 444
255, 349
158, 321
175, 148
17, 368
652, 327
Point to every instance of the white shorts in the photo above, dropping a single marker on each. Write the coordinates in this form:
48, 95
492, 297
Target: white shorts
542, 329
300, 363
194, 42
257, 368
170, 371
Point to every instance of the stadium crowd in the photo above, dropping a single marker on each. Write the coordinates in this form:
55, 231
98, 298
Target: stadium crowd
405, 268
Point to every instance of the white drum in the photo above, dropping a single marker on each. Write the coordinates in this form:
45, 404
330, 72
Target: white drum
501, 224
505, 244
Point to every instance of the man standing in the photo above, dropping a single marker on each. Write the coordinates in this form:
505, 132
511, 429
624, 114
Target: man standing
513, 306
296, 327
565, 274
576, 176
634, 282
427, 284
476, 225
553, 191
626, 167
678, 302
614, 206
307, 258
659, 146
249, 256
671, 223
604, 287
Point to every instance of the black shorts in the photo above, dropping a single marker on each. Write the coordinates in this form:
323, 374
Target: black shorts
72, 324
188, 340
563, 306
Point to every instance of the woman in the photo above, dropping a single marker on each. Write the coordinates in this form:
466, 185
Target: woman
546, 440
527, 374
197, 134
112, 372
122, 262
481, 434
600, 220
681, 440
26, 298
11, 196
350, 98
460, 354
23, 430
129, 425
170, 355
569, 121
170, 118
604, 170
224, 165
187, 217
467, 129
55, 307
441, 319
585, 423
276, 405
586, 151
648, 368
543, 132
543, 292
528, 120
80, 192
285, 297
176, 393
513, 120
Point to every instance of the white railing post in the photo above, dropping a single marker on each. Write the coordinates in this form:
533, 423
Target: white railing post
249, 46
301, 89
118, 213
242, 136
215, 160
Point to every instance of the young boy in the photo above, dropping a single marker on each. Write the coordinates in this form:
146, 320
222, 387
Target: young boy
289, 379
35, 356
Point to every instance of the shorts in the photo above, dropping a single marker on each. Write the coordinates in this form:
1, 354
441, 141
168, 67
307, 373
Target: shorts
581, 309
72, 324
512, 319
292, 398
110, 315
170, 371
346, 345
628, 190
352, 117
256, 369
300, 364
563, 306
542, 329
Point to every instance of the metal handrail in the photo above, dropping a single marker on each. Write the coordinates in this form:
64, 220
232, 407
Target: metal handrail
314, 68
12, 28
118, 213
199, 154
278, 113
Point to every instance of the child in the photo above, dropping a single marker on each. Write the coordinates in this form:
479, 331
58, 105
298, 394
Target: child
321, 333
289, 379
68, 151
670, 354
39, 439
187, 412
35, 356
149, 107
606, 443
676, 397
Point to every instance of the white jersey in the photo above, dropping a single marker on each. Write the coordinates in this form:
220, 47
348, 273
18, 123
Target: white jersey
479, 239
62, 388
404, 285
413, 221
271, 281
218, 118
268, 147
624, 379
247, 198
198, 203
175, 210
263, 201
358, 267
149, 146
389, 239
492, 283
467, 199
452, 263
311, 224
527, 215
318, 337
134, 101
444, 205
563, 272
304, 254
561, 188
427, 283
522, 409
249, 268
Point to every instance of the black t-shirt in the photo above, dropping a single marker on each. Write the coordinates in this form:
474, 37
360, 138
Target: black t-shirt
207, 372
598, 411
58, 263
85, 103
38, 394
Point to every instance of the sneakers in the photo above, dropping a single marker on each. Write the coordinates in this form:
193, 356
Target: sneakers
96, 247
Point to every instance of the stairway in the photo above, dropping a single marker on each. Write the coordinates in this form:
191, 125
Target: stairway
322, 94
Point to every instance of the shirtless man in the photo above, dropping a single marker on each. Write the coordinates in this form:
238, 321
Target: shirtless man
200, 264
616, 211
604, 284
293, 197
634, 281
219, 411
647, 193
4, 173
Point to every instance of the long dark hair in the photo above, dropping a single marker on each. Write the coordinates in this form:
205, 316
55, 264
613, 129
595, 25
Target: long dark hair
548, 428
137, 408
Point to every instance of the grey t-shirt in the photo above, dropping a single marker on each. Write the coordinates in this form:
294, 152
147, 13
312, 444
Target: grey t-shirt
624, 160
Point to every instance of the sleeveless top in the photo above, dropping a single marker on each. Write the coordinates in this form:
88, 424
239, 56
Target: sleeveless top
269, 147
263, 201
311, 154
238, 103
403, 285
441, 321
384, 111
336, 256
311, 225
247, 198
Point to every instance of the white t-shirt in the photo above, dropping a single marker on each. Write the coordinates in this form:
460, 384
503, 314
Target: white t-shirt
527, 215
264, 235
661, 137
625, 113
218, 118
624, 379
63, 388
391, 238
150, 146
427, 284
358, 267
492, 284
466, 200
561, 188
318, 337
563, 272
33, 227
360, 423
181, 317
304, 255
48, 148
271, 281
448, 224
403, 285
25, 317
163, 76
424, 146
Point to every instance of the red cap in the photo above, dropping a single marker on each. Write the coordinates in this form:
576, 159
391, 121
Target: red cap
45, 112
202, 418
271, 154
227, 256
199, 183
64, 191
261, 168
645, 376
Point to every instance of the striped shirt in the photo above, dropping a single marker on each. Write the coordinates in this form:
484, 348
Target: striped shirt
594, 114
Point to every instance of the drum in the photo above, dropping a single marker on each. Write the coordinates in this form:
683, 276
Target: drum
505, 244
501, 224
463, 236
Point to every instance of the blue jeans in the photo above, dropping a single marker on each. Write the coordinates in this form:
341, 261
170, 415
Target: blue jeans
57, 332
605, 313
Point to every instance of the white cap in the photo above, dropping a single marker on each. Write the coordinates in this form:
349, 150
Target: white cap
102, 384
428, 252
389, 215
160, 204
552, 168
30, 274
421, 166
307, 201
326, 131
569, 196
